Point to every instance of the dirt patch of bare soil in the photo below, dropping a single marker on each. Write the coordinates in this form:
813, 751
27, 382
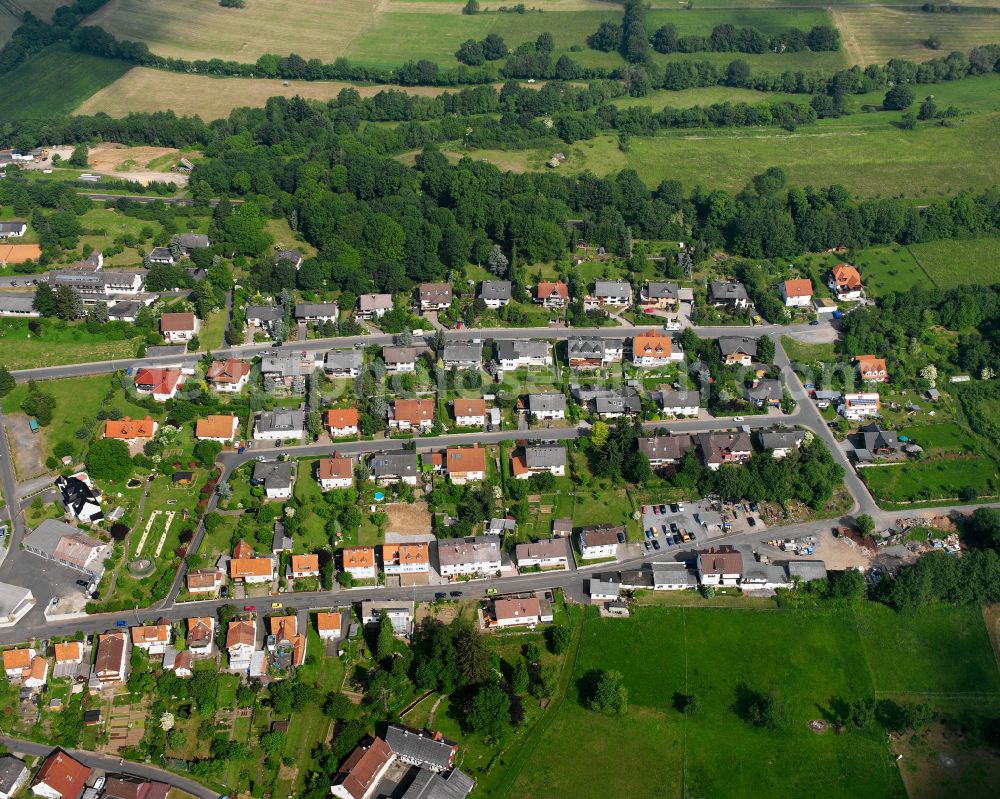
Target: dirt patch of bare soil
29, 458
407, 519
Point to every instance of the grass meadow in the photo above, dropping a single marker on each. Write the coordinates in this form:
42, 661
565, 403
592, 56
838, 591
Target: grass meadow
8, 24
57, 345
55, 82
890, 268
958, 263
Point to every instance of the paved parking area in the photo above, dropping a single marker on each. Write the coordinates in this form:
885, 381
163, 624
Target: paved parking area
666, 526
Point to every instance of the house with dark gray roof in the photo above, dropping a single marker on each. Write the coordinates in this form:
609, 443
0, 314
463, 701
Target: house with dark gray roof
539, 458
13, 229
612, 403
738, 350
277, 477
806, 570
343, 363
616, 293
317, 311
462, 355
453, 784
547, 405
161, 255
685, 402
658, 295
766, 393
279, 424
13, 776
22, 305
429, 750
193, 241
781, 442
495, 293
264, 315
522, 353
293, 257
394, 467
124, 311
586, 353
728, 294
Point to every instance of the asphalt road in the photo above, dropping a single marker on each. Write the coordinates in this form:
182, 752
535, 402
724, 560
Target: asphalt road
112, 765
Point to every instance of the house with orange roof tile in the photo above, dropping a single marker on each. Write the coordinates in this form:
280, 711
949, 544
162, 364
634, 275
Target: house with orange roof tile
162, 384
552, 295
469, 412
359, 562
412, 414
153, 639
845, 283
342, 422
36, 674
200, 635
653, 349
465, 464
241, 640
329, 625
305, 566
69, 653
797, 293
15, 661
285, 644
335, 472
406, 558
129, 430
204, 581
251, 570
217, 427
872, 369
229, 376
179, 327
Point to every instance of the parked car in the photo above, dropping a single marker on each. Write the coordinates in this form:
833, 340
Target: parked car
456, 593
814, 322
82, 583
121, 623
674, 528
680, 507
647, 546
440, 595
675, 508
621, 538
490, 591
751, 521
669, 539
249, 607
656, 510
656, 544
737, 418
275, 605
663, 509
649, 534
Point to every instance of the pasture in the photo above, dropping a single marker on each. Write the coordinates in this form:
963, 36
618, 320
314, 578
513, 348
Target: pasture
935, 479
960, 262
54, 82
8, 24
890, 268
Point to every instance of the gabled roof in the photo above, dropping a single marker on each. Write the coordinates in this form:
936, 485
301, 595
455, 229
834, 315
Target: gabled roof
546, 401
799, 287
463, 352
435, 292
658, 291
720, 561
127, 428
464, 460
199, 629
375, 302
63, 774
336, 468
151, 634
264, 313
216, 426
513, 349
469, 407
469, 550
228, 371
240, 632
16, 658
672, 448
425, 748
68, 652
781, 439
202, 578
543, 456
544, 290
393, 464
157, 381
328, 621
727, 290
393, 355
738, 345
359, 772
342, 417
414, 411
177, 322
416, 553
495, 290
358, 557
250, 567
305, 563
652, 345
846, 276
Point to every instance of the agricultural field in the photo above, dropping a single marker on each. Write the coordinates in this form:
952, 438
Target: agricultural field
8, 24
54, 82
959, 263
811, 658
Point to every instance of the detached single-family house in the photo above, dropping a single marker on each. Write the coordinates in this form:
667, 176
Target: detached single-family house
161, 255
342, 422
359, 562
201, 635
277, 477
15, 661
317, 312
465, 464
653, 350
473, 556
522, 353
860, 406
264, 316
217, 427
547, 405
551, 553
362, 772
336, 472
600, 541
728, 294
329, 625
394, 467
153, 639
435, 296
665, 450
279, 425
125, 311
229, 376
538, 459
161, 384
131, 431
845, 283
305, 566
285, 644
13, 229
343, 363
462, 355
594, 353
241, 639
672, 577
737, 350
60, 777
612, 293
719, 448
613, 403
872, 369
766, 393
13, 776
400, 360
293, 257
520, 612
469, 412
781, 442
720, 567
797, 293
658, 295
495, 293
189, 242
686, 402
412, 414
373, 306
406, 558
552, 295
252, 570
179, 326
204, 581
111, 664
428, 751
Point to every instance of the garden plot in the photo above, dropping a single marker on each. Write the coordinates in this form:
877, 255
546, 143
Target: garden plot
159, 525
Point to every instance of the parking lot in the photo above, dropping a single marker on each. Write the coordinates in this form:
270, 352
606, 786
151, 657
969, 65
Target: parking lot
684, 526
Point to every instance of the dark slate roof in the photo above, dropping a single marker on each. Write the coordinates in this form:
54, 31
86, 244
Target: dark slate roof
452, 784
738, 344
722, 291
10, 769
403, 464
273, 474
419, 746
265, 313
495, 290
542, 456
546, 401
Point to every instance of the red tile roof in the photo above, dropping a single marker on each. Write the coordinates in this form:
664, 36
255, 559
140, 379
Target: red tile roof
128, 428
800, 287
177, 322
62, 774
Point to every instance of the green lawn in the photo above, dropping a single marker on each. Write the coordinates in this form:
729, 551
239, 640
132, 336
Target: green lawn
888, 269
943, 435
959, 263
925, 481
58, 343
54, 82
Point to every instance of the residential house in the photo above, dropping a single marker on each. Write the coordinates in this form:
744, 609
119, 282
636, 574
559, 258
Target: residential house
552, 295
526, 612
125, 311
604, 587
665, 450
686, 402
473, 556
406, 558
127, 787
872, 442
60, 777
766, 393
15, 661
336, 472
728, 294
359, 562
495, 293
217, 427
654, 350
547, 405
286, 645
412, 414
13, 229
860, 406
594, 353
177, 327
781, 442
538, 459
394, 467
264, 316
204, 581
342, 422
248, 566
286, 373
131, 431
153, 639
363, 770
608, 403
305, 566
161, 384
522, 353
469, 412
797, 293
343, 363
600, 541
400, 360
189, 242
229, 376
111, 664
671, 576
720, 567
241, 638
872, 369
658, 295
462, 355
69, 655
429, 751
293, 257
329, 625
762, 576
465, 464
281, 424
399, 613
201, 635
373, 306
65, 544
161, 255
551, 553
737, 350
845, 283
609, 293
35, 674
277, 477
13, 776
719, 448
434, 296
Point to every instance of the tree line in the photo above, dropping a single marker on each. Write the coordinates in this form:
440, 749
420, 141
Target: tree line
33, 35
